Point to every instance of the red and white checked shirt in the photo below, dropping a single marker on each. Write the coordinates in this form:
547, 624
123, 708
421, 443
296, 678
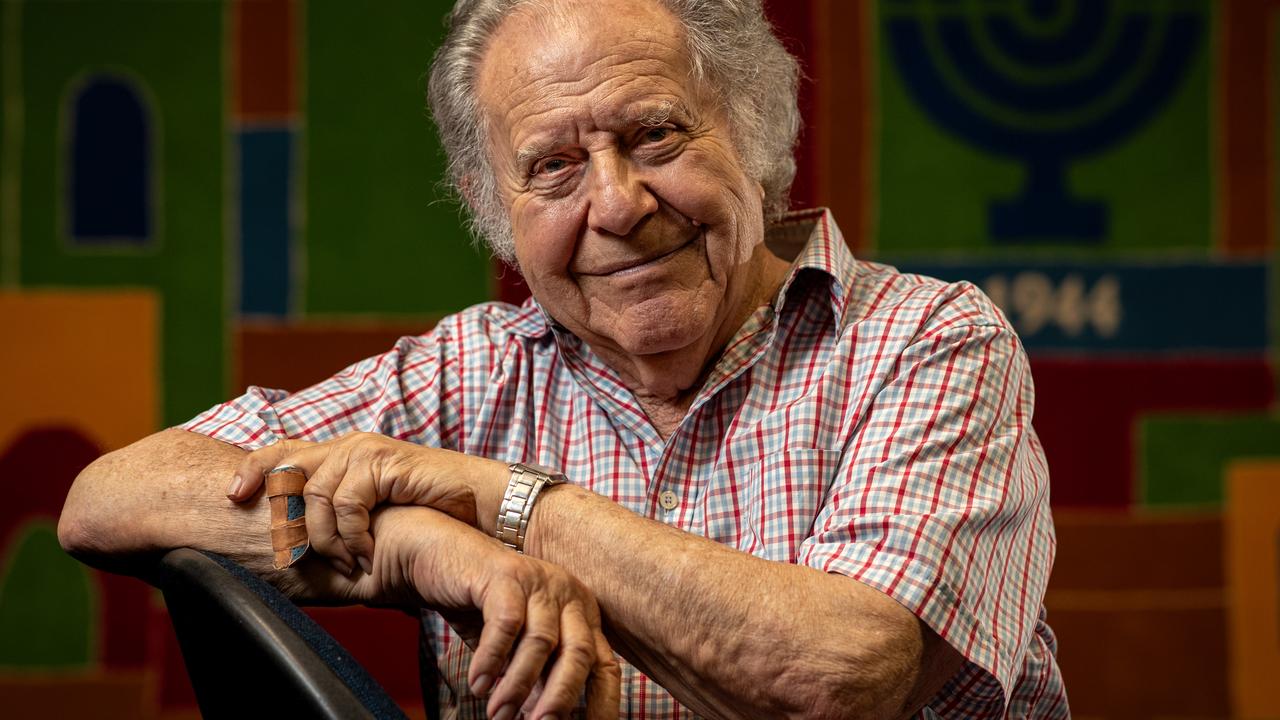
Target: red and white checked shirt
867, 423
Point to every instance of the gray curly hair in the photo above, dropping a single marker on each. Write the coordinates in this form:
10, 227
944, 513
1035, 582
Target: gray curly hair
733, 49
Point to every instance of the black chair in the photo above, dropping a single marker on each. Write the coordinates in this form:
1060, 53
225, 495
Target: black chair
250, 652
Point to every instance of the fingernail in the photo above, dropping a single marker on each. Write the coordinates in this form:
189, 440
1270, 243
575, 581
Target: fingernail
365, 565
481, 685
234, 488
341, 567
506, 712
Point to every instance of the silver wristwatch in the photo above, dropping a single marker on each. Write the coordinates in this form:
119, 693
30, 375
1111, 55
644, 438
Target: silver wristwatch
527, 481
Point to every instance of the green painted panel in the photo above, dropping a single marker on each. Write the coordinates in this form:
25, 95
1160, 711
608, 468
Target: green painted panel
173, 53
46, 604
1182, 457
10, 13
935, 186
377, 239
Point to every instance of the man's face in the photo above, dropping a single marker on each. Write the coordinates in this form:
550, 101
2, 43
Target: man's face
633, 217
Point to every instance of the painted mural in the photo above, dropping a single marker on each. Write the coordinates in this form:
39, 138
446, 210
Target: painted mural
197, 196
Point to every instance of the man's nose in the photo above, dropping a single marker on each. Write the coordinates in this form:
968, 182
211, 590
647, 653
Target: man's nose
619, 197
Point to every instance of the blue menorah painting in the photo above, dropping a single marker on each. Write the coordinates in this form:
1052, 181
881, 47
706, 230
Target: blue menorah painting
1045, 82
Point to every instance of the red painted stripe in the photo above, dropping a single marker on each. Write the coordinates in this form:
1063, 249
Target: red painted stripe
264, 55
841, 124
1087, 413
1247, 154
795, 22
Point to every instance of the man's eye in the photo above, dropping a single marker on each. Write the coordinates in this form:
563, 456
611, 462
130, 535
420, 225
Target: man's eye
550, 166
656, 134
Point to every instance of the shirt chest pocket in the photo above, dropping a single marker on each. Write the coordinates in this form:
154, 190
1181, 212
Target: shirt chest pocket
767, 507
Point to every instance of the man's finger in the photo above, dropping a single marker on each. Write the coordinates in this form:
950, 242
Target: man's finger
504, 608
604, 688
324, 473
540, 637
352, 501
575, 658
532, 701
252, 470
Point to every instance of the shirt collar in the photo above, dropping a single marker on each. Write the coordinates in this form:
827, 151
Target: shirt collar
813, 243
810, 239
530, 320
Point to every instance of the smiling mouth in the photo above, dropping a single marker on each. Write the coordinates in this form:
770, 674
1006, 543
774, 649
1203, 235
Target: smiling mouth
629, 267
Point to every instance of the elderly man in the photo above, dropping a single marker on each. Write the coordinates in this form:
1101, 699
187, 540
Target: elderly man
796, 484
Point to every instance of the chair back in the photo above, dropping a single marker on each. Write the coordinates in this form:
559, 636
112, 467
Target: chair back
250, 650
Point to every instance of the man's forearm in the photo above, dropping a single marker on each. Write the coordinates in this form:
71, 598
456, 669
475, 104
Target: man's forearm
162, 492
167, 491
156, 494
729, 634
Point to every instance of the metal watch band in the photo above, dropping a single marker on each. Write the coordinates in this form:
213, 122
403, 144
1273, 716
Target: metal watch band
527, 481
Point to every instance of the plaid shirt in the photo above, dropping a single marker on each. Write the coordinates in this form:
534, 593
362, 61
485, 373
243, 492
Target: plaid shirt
867, 423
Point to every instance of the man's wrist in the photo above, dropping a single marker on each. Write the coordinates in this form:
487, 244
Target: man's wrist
543, 519
422, 547
488, 484
521, 496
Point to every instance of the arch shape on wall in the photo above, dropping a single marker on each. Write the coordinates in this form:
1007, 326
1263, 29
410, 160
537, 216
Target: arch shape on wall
111, 147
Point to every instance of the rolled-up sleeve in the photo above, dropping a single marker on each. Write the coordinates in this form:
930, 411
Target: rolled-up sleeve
941, 501
248, 422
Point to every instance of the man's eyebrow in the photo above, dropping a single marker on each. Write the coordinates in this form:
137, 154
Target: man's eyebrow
532, 152
653, 114
647, 113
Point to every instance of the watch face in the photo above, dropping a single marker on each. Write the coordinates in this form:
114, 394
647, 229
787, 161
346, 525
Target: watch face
551, 475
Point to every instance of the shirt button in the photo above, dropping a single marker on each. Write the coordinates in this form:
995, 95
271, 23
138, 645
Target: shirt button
668, 500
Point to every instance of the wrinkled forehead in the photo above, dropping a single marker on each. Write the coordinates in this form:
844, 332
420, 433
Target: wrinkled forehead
562, 48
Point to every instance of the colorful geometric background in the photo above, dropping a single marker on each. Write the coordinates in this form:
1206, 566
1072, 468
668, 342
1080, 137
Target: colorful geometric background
200, 195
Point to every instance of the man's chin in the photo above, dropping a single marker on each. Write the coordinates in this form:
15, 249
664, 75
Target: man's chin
654, 335
657, 324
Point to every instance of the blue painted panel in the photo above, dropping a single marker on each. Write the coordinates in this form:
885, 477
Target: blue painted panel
1107, 308
266, 263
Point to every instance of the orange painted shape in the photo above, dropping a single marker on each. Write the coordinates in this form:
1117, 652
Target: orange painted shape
1253, 582
1247, 215
1138, 605
1157, 552
1129, 658
86, 360
264, 55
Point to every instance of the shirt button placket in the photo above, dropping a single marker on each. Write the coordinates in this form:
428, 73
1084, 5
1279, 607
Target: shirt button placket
668, 500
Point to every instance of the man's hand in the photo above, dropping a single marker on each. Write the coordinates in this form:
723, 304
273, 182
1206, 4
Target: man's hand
348, 477
541, 626
540, 623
